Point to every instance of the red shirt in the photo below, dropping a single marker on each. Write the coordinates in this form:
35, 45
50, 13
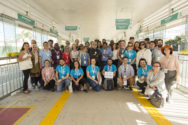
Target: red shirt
66, 57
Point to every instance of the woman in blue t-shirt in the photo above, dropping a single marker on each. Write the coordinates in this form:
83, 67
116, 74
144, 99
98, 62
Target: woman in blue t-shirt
93, 75
76, 75
142, 74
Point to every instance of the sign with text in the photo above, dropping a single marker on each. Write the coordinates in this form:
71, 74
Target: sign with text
122, 24
26, 19
169, 19
70, 28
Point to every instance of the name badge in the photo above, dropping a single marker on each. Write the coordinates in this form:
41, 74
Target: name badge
122, 56
93, 77
58, 57
129, 60
85, 62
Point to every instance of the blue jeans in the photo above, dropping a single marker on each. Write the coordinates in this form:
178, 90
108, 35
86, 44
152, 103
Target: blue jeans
94, 85
63, 83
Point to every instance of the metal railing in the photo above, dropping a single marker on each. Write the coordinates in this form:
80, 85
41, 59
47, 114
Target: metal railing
11, 77
183, 62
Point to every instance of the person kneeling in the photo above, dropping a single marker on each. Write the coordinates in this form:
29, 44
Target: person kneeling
109, 72
126, 74
62, 75
93, 75
47, 76
142, 74
156, 89
77, 77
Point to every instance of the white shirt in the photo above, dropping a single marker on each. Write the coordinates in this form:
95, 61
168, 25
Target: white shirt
114, 57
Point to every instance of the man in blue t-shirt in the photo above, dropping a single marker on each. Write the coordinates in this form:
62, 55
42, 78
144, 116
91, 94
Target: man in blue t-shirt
62, 75
109, 69
142, 74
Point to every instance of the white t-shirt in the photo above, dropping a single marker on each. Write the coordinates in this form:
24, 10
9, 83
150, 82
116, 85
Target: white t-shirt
114, 57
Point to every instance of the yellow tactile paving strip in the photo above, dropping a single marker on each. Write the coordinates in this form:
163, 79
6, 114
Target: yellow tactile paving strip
155, 114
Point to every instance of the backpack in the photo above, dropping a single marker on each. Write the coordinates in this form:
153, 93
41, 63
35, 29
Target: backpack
157, 100
108, 84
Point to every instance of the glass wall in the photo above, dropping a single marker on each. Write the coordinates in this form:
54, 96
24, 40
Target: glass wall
12, 36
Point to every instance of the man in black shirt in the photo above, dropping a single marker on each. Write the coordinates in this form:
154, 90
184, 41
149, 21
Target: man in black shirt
95, 53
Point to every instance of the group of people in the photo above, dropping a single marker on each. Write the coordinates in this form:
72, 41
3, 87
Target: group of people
96, 64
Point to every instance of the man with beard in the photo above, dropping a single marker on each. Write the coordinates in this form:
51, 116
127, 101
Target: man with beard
157, 54
109, 68
95, 53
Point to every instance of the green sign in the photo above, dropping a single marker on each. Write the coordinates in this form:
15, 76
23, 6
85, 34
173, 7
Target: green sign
86, 39
122, 27
26, 20
53, 31
69, 28
122, 24
169, 19
123, 21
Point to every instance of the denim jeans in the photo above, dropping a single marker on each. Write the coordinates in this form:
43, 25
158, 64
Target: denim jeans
94, 85
63, 83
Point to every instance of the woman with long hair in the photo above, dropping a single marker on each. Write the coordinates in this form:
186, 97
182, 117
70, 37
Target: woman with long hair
25, 64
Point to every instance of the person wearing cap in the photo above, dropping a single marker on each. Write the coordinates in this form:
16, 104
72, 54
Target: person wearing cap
170, 66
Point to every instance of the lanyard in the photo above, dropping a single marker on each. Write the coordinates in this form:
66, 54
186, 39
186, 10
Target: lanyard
93, 70
77, 73
109, 68
144, 70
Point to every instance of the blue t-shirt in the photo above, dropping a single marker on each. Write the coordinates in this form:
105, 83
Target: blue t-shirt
76, 73
45, 55
84, 59
111, 68
93, 71
62, 70
144, 72
131, 54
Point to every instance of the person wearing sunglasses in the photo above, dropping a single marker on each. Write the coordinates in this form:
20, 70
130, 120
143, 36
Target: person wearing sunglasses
143, 53
126, 74
156, 81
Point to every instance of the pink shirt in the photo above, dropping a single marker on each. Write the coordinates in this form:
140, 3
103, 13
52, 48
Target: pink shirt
170, 63
47, 73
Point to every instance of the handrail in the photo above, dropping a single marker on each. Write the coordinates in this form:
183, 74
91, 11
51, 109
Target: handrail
11, 78
4, 58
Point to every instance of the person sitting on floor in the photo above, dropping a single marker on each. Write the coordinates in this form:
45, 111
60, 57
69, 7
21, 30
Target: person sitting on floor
76, 75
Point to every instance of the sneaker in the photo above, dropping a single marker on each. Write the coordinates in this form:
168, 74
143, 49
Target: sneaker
33, 85
36, 87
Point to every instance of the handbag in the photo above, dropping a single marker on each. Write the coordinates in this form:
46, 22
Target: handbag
26, 64
157, 100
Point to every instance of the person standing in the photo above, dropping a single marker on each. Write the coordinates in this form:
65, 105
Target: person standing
121, 51
66, 56
84, 59
170, 65
56, 55
144, 53
35, 71
95, 53
106, 54
25, 65
157, 54
45, 54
